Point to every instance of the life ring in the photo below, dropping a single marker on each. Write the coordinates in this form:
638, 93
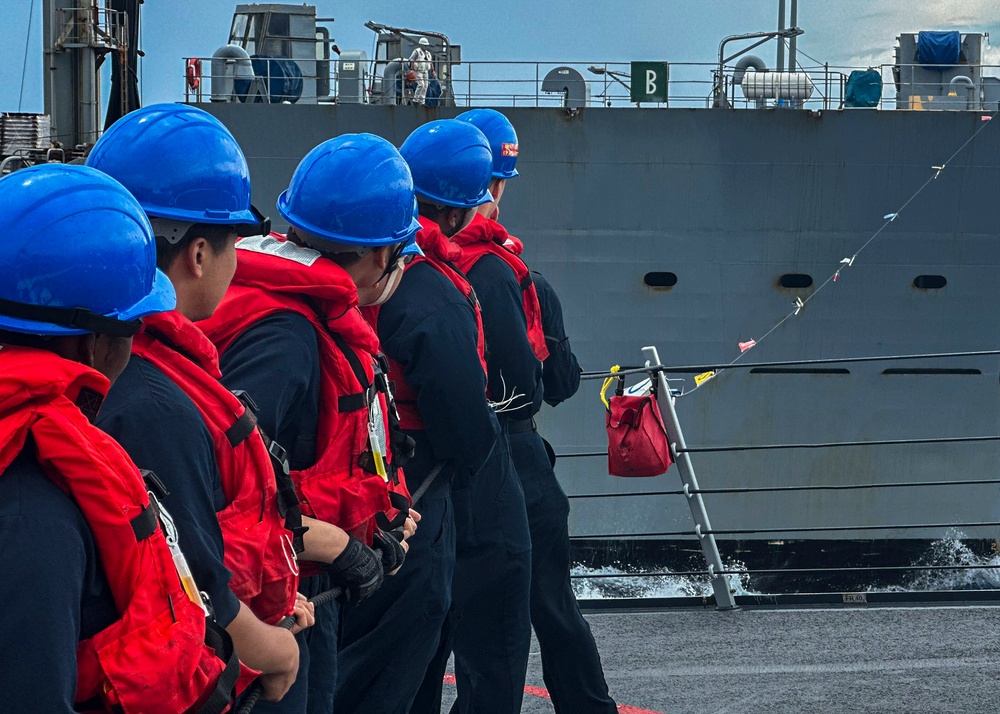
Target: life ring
193, 73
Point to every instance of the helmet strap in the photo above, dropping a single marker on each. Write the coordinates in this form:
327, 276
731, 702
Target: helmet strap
75, 317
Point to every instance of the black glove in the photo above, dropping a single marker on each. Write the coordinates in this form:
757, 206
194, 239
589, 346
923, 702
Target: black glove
389, 545
358, 570
403, 447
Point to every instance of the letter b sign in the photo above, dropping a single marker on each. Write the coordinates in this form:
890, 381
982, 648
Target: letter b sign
649, 82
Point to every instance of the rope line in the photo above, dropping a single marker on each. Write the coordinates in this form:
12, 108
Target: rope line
817, 445
829, 445
889, 218
787, 489
804, 529
782, 571
24, 64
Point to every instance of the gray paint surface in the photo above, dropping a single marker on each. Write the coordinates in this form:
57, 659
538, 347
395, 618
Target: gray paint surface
879, 660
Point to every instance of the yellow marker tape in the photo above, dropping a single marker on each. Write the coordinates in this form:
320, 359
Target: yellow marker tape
700, 379
607, 383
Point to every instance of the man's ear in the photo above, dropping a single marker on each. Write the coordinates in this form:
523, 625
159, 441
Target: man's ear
382, 256
83, 349
194, 257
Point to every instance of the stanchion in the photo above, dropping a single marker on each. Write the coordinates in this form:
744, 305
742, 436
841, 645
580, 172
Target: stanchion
724, 599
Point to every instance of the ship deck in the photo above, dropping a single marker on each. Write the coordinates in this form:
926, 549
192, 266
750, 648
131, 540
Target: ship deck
886, 659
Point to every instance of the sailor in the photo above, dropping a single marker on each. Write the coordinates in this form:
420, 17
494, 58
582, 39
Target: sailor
489, 620
96, 615
420, 65
169, 410
524, 328
292, 335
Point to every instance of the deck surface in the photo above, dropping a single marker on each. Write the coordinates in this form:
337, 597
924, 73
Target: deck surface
866, 659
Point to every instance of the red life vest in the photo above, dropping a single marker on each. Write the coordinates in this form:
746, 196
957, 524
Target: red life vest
514, 245
485, 236
258, 547
275, 275
153, 659
441, 254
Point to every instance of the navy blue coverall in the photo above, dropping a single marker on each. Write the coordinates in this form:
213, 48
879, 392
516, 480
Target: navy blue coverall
427, 327
571, 665
489, 627
161, 429
276, 361
50, 566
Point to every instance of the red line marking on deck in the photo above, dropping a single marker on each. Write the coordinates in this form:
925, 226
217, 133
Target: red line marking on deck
537, 692
544, 694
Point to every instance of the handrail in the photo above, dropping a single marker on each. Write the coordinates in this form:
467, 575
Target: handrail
788, 489
705, 534
786, 363
701, 533
690, 84
782, 571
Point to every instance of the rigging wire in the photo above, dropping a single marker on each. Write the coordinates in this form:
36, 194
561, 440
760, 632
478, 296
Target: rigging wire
800, 51
781, 571
785, 363
889, 218
744, 490
697, 532
24, 64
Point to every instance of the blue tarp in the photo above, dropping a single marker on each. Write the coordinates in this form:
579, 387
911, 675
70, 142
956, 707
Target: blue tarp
864, 88
281, 75
433, 97
938, 47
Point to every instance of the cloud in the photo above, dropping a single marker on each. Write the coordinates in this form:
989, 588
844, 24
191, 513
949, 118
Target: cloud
863, 32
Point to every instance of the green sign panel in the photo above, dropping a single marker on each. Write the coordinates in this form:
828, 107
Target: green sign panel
649, 81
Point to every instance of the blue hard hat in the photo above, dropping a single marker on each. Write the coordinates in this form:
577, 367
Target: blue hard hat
502, 137
354, 189
180, 162
77, 254
451, 163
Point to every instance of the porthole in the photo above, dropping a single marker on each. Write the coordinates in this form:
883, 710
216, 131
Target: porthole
929, 282
795, 281
660, 280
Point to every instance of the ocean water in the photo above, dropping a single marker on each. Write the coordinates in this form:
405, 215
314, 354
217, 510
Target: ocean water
634, 584
983, 573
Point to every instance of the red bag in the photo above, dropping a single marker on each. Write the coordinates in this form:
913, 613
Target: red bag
637, 438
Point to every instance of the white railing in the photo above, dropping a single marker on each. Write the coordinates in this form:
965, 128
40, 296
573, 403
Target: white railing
522, 84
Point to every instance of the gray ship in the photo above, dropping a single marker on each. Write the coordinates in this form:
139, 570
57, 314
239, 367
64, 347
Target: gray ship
693, 223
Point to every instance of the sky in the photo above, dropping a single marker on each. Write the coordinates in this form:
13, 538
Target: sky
842, 32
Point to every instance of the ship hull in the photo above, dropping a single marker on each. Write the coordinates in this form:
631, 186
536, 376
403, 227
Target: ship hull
729, 202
